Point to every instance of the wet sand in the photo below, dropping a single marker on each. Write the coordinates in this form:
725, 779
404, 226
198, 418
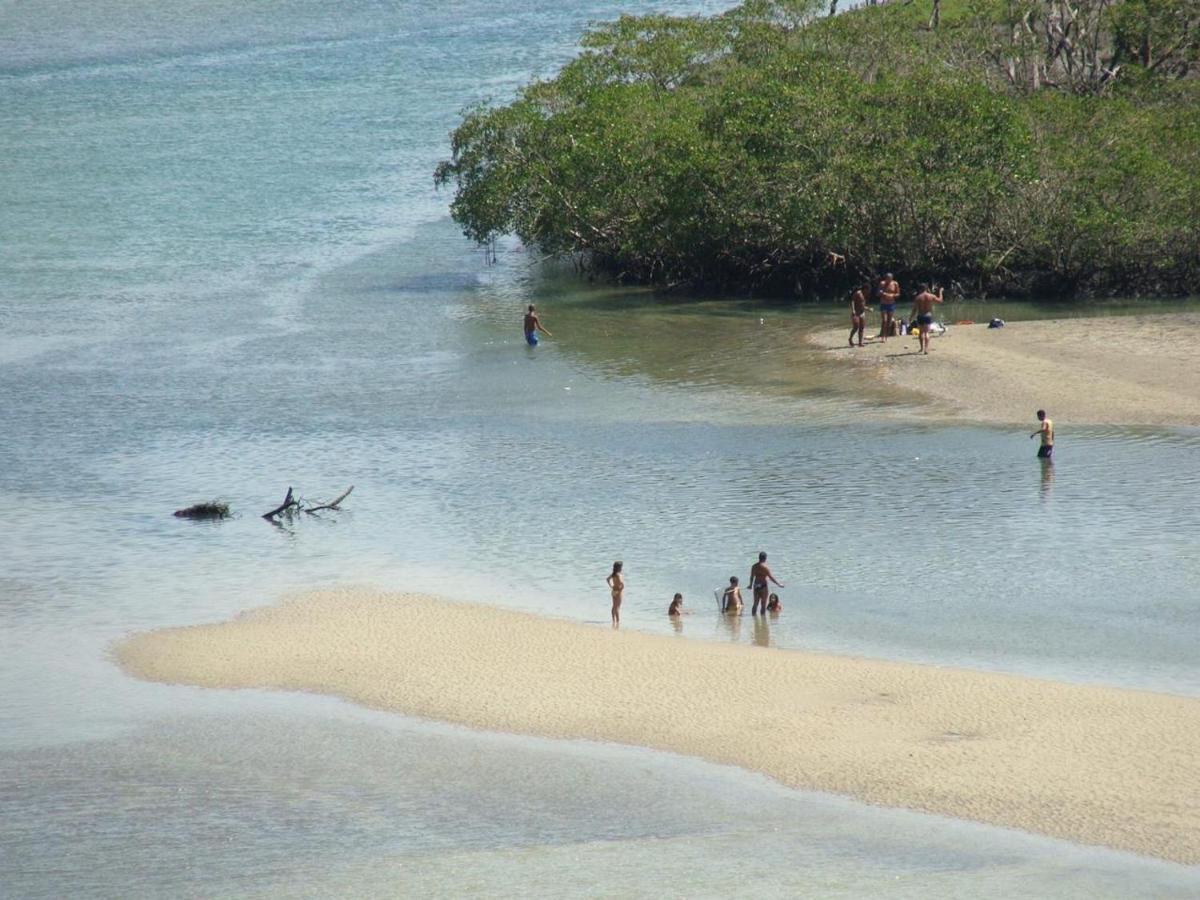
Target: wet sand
1121, 370
1094, 765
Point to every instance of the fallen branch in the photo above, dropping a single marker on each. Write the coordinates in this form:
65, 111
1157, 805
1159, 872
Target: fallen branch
289, 502
333, 505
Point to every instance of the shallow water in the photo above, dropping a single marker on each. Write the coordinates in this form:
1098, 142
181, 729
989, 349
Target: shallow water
292, 797
225, 271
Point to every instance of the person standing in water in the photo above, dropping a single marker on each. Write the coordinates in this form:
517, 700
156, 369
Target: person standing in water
616, 584
760, 582
922, 312
676, 607
1046, 450
731, 600
533, 325
858, 313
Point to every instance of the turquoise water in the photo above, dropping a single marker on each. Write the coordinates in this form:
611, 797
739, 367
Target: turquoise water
225, 271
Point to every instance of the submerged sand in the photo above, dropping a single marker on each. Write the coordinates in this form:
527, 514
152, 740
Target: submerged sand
1089, 764
1121, 370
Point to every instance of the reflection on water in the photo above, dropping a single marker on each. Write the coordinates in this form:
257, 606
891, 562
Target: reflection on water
762, 631
1047, 467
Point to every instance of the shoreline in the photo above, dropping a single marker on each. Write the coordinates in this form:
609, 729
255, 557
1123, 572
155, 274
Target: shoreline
1137, 370
1093, 765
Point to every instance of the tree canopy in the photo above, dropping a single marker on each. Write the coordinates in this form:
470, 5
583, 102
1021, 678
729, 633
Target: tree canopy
1017, 146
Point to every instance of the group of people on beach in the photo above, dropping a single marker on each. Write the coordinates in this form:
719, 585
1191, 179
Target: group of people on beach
761, 578
886, 292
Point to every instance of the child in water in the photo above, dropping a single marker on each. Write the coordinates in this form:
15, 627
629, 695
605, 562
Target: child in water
731, 600
676, 607
774, 604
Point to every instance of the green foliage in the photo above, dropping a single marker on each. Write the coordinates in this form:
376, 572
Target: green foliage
761, 147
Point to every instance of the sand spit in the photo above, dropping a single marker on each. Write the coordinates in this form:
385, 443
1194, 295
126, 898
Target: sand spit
1122, 370
1089, 764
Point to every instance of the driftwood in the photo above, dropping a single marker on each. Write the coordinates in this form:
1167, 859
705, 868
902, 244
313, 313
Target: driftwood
289, 503
334, 505
213, 509
218, 509
292, 504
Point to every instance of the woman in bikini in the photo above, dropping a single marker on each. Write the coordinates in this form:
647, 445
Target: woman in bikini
616, 584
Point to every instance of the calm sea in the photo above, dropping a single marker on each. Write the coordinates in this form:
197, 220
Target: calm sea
224, 271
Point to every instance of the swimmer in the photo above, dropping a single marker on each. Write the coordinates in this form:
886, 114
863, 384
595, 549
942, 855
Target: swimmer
676, 607
616, 584
532, 326
922, 311
760, 575
1046, 450
774, 604
731, 600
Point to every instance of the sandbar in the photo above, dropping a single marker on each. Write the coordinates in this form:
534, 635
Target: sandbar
1090, 764
1119, 370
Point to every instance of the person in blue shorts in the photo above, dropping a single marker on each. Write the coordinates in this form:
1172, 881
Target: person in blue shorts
533, 325
922, 312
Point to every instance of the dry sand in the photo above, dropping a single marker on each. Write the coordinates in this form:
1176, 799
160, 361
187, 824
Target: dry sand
1121, 370
1089, 764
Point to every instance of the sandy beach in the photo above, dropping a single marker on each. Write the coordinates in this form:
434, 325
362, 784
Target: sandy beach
1120, 370
1089, 764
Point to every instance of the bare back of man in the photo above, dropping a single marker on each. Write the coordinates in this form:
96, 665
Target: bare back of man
533, 326
922, 313
760, 582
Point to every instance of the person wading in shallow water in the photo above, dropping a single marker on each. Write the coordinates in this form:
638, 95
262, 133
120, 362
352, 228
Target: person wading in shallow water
731, 600
616, 584
760, 575
532, 326
1046, 450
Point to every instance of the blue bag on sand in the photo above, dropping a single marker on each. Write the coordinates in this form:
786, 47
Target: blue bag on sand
996, 323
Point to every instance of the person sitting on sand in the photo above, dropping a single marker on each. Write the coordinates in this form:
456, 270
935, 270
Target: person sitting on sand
1046, 450
532, 326
616, 584
759, 576
676, 607
731, 600
774, 604
922, 312
858, 313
